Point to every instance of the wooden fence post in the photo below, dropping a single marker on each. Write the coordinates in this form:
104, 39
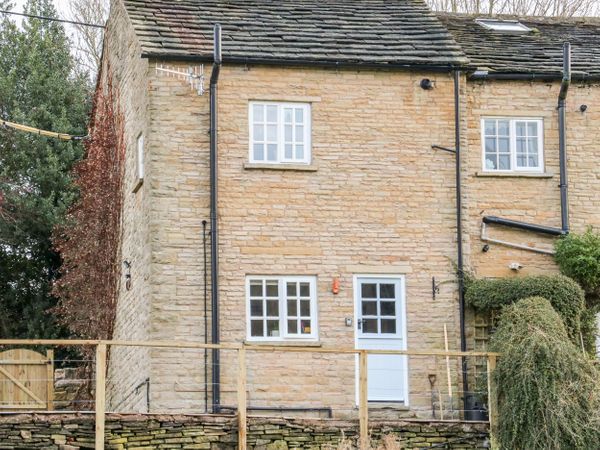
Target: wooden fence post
363, 405
492, 400
50, 379
100, 394
241, 394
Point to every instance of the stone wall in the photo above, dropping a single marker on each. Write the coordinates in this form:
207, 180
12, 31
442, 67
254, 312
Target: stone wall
147, 432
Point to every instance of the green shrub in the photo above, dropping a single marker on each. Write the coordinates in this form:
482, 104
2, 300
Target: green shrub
547, 389
578, 257
564, 294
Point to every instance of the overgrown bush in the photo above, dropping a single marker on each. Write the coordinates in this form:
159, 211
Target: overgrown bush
547, 389
564, 294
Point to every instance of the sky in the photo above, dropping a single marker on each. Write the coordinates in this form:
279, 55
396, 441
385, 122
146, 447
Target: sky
62, 6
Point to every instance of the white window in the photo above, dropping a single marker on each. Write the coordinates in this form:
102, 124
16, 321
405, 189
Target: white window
281, 308
512, 145
139, 162
503, 25
279, 133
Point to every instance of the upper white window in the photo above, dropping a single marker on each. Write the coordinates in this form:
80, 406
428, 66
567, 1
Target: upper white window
503, 25
512, 144
279, 133
139, 163
281, 308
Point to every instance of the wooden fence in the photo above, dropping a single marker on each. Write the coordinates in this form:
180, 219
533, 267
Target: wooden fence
242, 349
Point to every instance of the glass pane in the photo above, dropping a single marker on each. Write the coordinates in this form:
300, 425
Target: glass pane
490, 127
521, 129
521, 160
388, 326
388, 308
289, 153
387, 291
299, 133
272, 133
287, 115
256, 308
533, 145
259, 152
273, 328
288, 130
271, 113
305, 289
292, 326
292, 308
368, 290
532, 129
533, 161
490, 144
369, 308
299, 115
256, 289
299, 151
504, 162
503, 127
504, 145
256, 328
521, 145
369, 325
273, 308
305, 326
291, 289
490, 162
272, 288
258, 111
305, 308
259, 133
272, 152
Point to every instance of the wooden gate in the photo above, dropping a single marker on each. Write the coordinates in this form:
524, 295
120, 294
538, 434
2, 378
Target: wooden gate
26, 380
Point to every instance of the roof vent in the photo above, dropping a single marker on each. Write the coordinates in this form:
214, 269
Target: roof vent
511, 26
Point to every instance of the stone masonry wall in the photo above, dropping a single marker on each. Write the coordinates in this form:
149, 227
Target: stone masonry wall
147, 432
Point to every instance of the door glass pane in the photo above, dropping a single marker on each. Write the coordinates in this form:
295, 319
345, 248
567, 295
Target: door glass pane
305, 326
292, 308
256, 288
256, 328
388, 308
369, 325
387, 291
291, 289
369, 308
292, 326
368, 290
388, 326
305, 307
273, 308
272, 288
256, 308
305, 289
273, 328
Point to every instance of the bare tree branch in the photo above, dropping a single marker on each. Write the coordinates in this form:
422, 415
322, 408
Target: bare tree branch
88, 40
556, 8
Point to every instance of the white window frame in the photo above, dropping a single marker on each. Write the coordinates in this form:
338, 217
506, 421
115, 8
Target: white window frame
306, 107
513, 144
283, 315
508, 26
139, 162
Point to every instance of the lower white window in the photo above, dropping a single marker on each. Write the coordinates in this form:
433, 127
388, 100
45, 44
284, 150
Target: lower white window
281, 308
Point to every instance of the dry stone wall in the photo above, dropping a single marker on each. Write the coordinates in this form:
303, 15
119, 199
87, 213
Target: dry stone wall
146, 432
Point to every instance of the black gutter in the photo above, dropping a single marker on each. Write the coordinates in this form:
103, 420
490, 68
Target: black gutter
562, 138
214, 241
523, 225
295, 62
549, 76
459, 241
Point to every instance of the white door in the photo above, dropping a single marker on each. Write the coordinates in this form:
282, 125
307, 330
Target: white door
380, 325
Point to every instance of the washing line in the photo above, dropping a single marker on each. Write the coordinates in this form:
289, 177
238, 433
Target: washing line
52, 134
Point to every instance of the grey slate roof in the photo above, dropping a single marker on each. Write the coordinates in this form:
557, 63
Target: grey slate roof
539, 51
343, 32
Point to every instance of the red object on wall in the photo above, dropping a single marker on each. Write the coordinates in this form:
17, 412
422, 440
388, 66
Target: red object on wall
335, 288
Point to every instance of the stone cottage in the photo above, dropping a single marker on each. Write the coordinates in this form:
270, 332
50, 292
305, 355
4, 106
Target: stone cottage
281, 188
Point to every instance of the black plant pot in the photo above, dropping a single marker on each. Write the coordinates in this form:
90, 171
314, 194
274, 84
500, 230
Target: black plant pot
475, 409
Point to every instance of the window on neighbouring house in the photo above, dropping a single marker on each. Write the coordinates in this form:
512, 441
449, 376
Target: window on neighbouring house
279, 133
513, 26
512, 145
282, 308
139, 162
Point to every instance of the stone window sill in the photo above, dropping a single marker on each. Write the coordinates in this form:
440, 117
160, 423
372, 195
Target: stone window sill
514, 175
293, 167
284, 343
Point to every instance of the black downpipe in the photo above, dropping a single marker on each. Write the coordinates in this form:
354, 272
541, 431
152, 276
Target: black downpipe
205, 257
562, 138
214, 236
459, 241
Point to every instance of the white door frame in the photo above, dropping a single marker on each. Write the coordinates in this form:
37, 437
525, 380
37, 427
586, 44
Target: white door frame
402, 279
